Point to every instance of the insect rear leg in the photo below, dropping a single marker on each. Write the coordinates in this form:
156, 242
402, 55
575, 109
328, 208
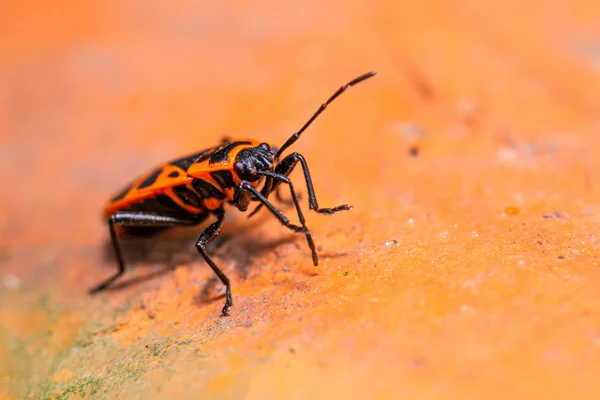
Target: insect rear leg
134, 220
287, 165
205, 238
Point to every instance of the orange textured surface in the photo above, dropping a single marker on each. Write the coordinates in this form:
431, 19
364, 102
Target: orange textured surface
467, 269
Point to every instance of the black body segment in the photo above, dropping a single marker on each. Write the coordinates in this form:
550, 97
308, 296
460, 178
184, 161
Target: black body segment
189, 196
223, 153
150, 180
207, 190
223, 178
160, 204
185, 162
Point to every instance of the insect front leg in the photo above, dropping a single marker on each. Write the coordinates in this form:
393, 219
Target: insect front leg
282, 218
287, 165
285, 168
138, 220
266, 191
205, 238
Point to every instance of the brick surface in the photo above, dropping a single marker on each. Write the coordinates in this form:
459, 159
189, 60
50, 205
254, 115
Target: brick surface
467, 269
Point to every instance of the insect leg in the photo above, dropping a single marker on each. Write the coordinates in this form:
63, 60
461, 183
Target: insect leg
285, 168
286, 202
205, 238
267, 190
133, 219
282, 218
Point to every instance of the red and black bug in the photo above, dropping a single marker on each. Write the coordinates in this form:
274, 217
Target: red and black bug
186, 191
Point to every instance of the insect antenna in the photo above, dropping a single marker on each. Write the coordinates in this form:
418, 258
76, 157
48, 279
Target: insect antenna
268, 186
323, 106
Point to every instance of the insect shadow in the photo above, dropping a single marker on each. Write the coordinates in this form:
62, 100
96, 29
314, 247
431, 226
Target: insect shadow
171, 247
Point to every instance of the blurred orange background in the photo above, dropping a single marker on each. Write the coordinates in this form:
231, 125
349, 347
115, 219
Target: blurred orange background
468, 267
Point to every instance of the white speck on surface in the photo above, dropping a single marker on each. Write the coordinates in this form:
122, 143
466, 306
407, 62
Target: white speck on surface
407, 130
466, 309
521, 263
588, 51
507, 155
475, 234
11, 281
411, 221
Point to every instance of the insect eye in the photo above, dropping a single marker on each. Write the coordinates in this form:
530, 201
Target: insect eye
265, 146
238, 167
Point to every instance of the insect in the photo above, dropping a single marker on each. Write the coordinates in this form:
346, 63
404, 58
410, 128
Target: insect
186, 191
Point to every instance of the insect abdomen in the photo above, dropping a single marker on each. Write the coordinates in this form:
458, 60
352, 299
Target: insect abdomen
161, 204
